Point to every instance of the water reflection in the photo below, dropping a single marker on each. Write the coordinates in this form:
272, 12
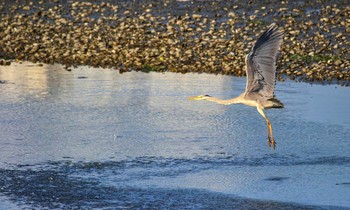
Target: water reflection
72, 117
31, 80
137, 114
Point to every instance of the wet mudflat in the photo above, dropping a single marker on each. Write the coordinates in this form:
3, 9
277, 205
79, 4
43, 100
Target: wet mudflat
94, 138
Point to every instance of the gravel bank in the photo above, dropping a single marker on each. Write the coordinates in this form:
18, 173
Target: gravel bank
178, 36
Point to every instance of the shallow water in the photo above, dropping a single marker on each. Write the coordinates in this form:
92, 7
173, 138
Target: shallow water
94, 138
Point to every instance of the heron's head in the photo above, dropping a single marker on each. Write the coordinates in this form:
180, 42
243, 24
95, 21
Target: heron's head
200, 97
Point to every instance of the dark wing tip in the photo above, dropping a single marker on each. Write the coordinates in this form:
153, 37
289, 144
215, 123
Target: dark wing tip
272, 32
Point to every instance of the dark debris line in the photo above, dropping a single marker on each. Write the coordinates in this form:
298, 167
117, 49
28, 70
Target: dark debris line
51, 189
192, 36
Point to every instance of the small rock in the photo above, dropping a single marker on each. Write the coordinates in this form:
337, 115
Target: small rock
337, 62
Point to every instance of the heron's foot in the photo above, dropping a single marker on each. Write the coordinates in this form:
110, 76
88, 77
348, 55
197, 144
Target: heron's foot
271, 142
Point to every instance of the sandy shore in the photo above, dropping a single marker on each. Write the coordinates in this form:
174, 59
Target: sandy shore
178, 36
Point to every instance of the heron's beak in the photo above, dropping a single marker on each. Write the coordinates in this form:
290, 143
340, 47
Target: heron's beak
193, 98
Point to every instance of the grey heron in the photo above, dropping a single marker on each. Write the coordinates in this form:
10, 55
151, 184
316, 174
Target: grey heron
260, 72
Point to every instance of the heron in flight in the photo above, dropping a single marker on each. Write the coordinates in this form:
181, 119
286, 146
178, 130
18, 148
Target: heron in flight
260, 71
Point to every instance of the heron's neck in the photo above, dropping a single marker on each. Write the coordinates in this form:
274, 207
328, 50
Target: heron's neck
225, 102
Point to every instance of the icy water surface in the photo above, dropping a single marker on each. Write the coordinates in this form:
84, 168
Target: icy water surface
94, 138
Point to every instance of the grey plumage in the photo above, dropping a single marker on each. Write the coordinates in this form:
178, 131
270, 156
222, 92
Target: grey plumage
261, 70
261, 63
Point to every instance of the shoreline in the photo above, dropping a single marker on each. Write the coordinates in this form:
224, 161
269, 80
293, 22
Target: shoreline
187, 36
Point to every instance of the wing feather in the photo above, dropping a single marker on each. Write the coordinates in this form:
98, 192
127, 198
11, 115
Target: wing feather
261, 62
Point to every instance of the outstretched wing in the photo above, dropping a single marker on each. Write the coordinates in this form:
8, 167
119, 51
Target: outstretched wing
261, 62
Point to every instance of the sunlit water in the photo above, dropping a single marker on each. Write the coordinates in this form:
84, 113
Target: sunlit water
94, 138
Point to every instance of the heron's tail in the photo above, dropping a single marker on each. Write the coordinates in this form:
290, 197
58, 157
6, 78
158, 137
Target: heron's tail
275, 103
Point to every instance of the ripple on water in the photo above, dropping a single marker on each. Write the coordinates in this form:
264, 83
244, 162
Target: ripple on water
71, 142
165, 166
57, 189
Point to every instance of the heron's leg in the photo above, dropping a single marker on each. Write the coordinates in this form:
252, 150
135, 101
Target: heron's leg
271, 139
